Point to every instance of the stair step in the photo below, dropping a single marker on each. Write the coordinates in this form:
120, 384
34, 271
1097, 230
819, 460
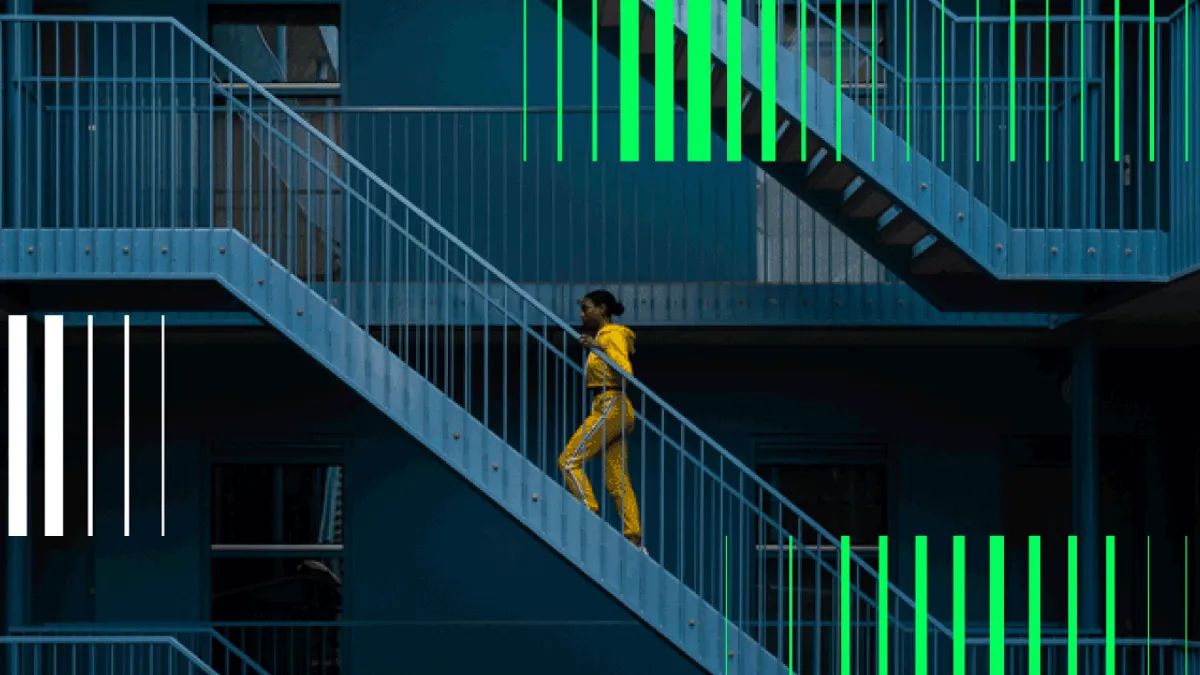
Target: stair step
941, 258
903, 229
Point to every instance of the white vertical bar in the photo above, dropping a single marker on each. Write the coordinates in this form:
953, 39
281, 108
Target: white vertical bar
126, 425
162, 402
53, 447
18, 431
90, 442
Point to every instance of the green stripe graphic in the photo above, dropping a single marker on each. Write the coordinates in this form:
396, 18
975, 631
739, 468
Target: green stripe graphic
595, 83
699, 97
524, 80
733, 81
922, 605
629, 80
559, 106
664, 82
960, 606
882, 612
1110, 605
768, 38
996, 604
1035, 606
1072, 605
844, 573
791, 606
1153, 54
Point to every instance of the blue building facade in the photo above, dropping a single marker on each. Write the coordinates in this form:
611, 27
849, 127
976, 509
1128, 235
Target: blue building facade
953, 299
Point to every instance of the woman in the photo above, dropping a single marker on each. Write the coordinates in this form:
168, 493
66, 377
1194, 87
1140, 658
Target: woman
611, 416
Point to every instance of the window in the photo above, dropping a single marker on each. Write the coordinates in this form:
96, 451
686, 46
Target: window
844, 489
277, 558
283, 48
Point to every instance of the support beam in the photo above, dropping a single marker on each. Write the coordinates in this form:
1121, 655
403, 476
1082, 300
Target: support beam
1085, 476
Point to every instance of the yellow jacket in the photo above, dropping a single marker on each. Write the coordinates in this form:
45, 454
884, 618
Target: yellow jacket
617, 343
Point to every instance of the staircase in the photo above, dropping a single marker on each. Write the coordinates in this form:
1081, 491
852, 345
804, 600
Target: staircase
979, 233
717, 533
737, 578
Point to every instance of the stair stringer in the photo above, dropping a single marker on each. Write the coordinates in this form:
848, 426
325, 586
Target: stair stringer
496, 469
916, 185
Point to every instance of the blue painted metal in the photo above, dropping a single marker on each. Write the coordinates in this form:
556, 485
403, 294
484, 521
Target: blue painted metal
278, 643
1017, 216
712, 584
101, 655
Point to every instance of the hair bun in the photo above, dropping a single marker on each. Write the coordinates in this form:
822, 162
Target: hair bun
618, 309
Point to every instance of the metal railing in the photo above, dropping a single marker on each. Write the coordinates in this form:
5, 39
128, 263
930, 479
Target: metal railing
151, 136
100, 655
316, 648
1037, 126
588, 217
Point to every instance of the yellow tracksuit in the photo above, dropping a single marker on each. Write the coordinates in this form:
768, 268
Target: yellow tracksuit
605, 428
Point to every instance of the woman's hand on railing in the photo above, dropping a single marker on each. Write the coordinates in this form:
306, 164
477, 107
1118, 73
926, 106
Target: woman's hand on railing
589, 342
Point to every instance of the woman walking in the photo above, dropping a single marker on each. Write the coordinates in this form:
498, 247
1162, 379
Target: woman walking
611, 417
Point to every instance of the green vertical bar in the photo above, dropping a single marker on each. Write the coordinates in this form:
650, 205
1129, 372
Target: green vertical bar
908, 80
1153, 32
837, 79
960, 606
629, 80
874, 70
1012, 80
559, 106
996, 604
844, 574
942, 98
882, 611
1116, 81
791, 607
1110, 605
1072, 605
733, 81
1035, 604
699, 113
664, 82
768, 80
802, 10
922, 606
524, 80
595, 83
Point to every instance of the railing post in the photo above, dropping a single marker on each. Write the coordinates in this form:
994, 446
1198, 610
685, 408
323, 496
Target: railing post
13, 64
1084, 460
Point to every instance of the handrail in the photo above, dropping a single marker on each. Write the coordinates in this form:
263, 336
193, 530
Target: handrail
116, 631
110, 640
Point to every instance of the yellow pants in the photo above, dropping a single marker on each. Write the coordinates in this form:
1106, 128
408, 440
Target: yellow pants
605, 428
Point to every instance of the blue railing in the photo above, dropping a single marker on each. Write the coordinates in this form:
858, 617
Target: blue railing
157, 135
204, 642
1038, 137
100, 655
160, 134
315, 648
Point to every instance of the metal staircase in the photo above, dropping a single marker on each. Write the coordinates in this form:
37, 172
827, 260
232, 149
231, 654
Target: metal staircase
994, 232
399, 321
738, 579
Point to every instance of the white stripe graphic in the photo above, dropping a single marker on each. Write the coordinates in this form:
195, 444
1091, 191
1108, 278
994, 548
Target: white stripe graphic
53, 470
162, 402
126, 425
18, 419
89, 421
